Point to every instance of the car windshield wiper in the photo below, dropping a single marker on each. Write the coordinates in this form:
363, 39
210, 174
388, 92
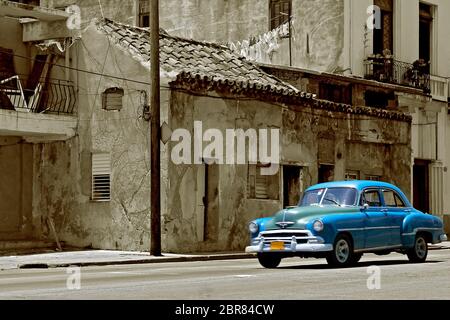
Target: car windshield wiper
333, 201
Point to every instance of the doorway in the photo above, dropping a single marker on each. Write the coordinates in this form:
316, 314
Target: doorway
326, 173
421, 185
292, 186
15, 189
211, 203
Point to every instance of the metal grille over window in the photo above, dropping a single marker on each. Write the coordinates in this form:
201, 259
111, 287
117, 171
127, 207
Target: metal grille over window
101, 177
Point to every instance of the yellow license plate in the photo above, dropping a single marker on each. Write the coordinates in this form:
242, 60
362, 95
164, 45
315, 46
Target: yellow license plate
277, 245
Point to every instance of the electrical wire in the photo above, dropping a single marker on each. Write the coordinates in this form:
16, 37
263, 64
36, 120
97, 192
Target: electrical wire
83, 71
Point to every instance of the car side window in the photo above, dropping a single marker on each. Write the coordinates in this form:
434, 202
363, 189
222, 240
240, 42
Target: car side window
372, 198
389, 198
392, 199
400, 203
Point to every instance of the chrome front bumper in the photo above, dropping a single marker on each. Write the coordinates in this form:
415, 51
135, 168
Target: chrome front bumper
291, 244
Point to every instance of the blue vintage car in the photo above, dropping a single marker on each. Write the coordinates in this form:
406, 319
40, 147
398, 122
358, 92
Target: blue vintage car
340, 221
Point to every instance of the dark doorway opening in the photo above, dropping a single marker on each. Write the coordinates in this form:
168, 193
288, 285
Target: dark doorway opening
425, 31
211, 202
326, 173
421, 185
291, 185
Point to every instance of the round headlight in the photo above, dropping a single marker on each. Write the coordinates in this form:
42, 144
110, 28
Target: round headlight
253, 227
318, 225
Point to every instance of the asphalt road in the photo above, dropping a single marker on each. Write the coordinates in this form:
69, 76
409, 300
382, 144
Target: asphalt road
239, 279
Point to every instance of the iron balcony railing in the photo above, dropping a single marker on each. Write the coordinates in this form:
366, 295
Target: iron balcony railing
397, 72
42, 96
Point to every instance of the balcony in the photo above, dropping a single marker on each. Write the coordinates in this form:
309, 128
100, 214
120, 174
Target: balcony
41, 96
38, 109
439, 88
389, 70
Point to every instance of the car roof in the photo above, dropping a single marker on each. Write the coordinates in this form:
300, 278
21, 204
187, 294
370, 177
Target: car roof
357, 184
361, 185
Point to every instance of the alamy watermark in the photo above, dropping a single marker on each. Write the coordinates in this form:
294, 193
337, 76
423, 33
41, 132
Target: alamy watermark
73, 281
374, 20
74, 21
374, 279
230, 148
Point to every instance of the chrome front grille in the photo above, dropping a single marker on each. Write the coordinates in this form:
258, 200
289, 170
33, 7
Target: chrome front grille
279, 235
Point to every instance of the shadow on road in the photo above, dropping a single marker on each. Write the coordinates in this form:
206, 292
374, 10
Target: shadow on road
363, 264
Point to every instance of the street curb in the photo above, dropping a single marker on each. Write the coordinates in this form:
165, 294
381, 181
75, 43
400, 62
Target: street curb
141, 261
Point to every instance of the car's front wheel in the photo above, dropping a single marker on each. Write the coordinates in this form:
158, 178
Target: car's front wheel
342, 254
269, 260
419, 252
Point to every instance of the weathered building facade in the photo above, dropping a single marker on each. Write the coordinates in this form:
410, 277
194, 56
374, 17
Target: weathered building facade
88, 182
338, 37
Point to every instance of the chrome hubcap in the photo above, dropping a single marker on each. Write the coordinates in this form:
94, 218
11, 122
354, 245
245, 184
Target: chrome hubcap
342, 251
421, 248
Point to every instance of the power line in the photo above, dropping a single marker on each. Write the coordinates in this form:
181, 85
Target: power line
81, 70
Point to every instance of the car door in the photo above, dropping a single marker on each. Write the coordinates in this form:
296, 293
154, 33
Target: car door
377, 221
397, 211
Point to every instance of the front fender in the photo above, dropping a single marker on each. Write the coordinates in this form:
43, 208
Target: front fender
261, 222
352, 224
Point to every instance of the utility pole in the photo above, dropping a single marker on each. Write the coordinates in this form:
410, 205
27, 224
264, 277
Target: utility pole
290, 35
155, 165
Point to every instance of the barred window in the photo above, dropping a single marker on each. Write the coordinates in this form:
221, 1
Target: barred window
101, 177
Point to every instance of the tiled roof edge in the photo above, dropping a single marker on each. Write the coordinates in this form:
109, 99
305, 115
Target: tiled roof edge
198, 82
163, 33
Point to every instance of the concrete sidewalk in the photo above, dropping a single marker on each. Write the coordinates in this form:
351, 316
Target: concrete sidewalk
106, 257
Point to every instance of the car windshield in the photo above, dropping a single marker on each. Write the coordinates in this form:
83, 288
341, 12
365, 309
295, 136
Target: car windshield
329, 196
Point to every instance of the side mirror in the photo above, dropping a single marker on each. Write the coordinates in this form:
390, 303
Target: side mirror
365, 207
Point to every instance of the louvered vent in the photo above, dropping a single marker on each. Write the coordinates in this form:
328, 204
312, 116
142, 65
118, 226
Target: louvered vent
101, 177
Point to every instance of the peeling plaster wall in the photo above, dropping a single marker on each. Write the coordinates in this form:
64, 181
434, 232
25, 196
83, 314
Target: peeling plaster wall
124, 11
317, 36
13, 40
370, 145
215, 20
64, 179
317, 33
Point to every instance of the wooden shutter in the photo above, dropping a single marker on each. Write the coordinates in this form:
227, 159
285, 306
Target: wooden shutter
112, 99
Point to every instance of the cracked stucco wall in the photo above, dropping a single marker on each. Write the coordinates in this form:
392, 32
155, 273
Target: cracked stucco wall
64, 184
309, 136
64, 179
317, 33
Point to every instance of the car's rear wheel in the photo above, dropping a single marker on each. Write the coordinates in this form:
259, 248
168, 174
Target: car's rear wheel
269, 260
342, 254
419, 252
